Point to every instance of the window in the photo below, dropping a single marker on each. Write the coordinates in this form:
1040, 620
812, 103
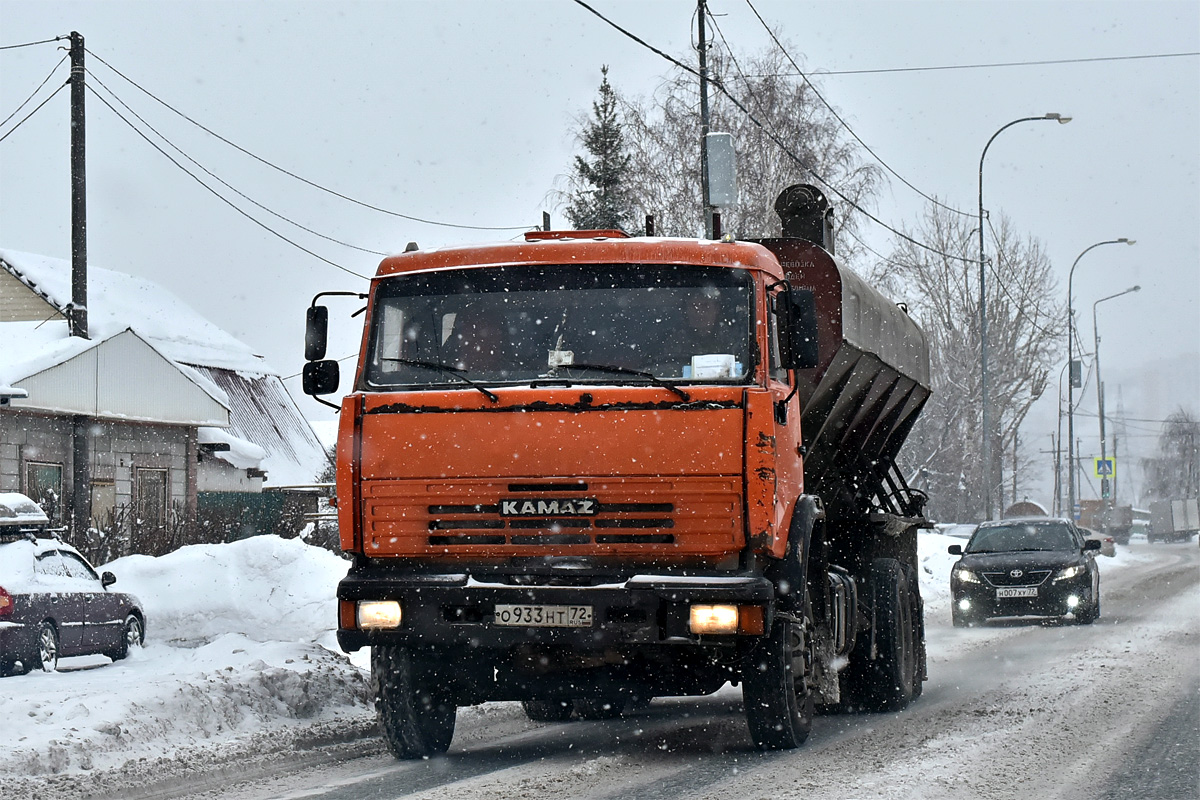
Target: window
77, 568
104, 504
51, 563
43, 485
521, 324
150, 497
778, 371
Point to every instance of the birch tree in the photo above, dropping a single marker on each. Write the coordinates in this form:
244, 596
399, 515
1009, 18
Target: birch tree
1026, 330
663, 136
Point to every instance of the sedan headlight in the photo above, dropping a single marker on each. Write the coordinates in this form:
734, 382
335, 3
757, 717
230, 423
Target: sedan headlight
1069, 572
965, 575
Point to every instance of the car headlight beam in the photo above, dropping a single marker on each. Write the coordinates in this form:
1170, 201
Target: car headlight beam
965, 575
715, 619
375, 614
1069, 572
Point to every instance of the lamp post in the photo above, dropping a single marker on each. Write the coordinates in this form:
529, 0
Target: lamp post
1104, 481
987, 444
1074, 374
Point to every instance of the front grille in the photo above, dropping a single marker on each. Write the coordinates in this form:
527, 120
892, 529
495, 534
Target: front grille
1028, 577
412, 516
485, 519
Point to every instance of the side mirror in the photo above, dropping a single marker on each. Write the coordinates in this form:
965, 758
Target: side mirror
1091, 544
797, 316
954, 549
107, 579
316, 333
321, 377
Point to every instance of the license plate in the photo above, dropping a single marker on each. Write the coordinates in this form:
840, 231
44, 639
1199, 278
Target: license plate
531, 616
1017, 591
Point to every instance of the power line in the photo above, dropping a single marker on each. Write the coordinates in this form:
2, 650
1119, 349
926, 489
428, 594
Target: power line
218, 195
293, 175
31, 113
31, 44
720, 86
995, 65
224, 183
35, 91
838, 116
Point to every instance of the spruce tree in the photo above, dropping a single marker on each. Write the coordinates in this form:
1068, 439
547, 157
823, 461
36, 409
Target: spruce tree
600, 197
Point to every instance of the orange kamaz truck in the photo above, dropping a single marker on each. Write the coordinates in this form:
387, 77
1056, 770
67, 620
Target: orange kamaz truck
586, 470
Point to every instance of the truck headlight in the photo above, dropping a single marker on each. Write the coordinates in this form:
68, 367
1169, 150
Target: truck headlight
965, 575
378, 614
714, 619
1069, 572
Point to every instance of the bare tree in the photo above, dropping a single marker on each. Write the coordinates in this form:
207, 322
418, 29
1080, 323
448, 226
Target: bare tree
1175, 473
1026, 323
663, 137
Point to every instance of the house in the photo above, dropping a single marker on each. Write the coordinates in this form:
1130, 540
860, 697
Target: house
189, 434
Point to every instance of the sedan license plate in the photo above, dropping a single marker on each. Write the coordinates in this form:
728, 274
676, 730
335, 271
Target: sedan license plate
1017, 591
534, 616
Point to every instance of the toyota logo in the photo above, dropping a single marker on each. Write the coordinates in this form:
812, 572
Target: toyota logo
1016, 573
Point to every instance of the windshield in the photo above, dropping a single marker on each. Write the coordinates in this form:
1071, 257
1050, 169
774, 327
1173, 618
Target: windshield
630, 323
1022, 536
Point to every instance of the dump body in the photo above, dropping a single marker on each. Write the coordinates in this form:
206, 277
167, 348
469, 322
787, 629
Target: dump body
872, 380
558, 487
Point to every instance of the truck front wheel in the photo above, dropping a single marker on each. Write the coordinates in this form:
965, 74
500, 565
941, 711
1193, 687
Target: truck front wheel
779, 705
415, 714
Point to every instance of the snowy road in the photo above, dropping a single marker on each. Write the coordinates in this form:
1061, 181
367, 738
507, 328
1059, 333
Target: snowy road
1010, 711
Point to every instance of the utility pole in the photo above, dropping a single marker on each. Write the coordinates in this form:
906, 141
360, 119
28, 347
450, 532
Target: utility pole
701, 11
1016, 439
77, 318
1056, 463
1114, 477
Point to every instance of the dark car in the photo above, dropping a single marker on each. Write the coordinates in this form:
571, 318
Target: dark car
52, 603
1025, 567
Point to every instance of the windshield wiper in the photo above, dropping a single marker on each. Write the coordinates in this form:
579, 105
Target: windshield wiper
449, 370
657, 381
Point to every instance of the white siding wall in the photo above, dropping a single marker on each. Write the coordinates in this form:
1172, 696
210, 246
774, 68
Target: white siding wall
19, 303
122, 378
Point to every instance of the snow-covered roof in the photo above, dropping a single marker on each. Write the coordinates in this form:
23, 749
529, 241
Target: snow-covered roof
241, 453
262, 415
31, 348
117, 301
261, 411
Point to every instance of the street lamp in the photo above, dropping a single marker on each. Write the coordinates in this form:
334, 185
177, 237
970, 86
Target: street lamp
1073, 374
987, 445
1104, 481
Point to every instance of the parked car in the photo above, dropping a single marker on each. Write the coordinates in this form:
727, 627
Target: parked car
1108, 544
1035, 566
52, 603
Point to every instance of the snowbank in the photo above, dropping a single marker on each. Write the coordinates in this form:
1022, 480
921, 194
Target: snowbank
240, 643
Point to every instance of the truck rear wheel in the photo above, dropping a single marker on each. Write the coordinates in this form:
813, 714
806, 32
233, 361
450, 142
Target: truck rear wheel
779, 705
889, 686
416, 716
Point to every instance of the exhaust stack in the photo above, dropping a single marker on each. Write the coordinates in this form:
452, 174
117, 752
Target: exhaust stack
806, 214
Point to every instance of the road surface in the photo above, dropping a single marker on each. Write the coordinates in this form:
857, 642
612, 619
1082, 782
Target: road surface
1053, 710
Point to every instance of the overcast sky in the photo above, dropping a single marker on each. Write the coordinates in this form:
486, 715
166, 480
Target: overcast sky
462, 112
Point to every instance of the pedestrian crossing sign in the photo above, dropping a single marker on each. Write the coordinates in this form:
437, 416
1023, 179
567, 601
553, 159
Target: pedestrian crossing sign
1106, 467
